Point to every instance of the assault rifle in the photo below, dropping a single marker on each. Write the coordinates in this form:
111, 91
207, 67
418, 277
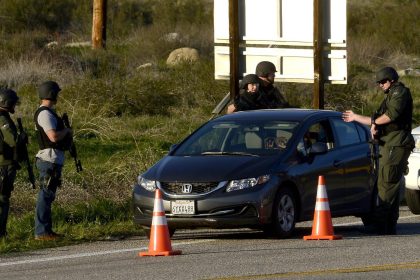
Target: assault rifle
23, 153
221, 106
72, 147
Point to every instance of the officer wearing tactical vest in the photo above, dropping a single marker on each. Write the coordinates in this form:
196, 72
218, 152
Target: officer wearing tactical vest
391, 125
269, 96
53, 141
8, 153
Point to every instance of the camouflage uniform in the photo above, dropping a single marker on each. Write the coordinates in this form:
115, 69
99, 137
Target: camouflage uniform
8, 157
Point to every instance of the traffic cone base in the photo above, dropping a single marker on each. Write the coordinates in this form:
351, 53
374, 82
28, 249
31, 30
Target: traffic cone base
322, 228
160, 243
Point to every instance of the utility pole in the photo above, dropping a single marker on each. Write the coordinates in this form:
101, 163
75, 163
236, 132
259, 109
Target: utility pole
318, 97
99, 24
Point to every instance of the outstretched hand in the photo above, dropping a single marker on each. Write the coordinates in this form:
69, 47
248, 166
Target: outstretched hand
348, 116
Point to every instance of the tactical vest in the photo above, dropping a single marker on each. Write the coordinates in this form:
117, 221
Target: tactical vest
404, 121
5, 150
43, 141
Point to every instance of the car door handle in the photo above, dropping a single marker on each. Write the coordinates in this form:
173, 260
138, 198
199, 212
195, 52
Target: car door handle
337, 163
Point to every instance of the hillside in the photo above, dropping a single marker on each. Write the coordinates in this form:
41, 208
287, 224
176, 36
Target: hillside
127, 106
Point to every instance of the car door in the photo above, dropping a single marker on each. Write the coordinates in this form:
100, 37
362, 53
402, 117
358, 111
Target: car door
352, 144
327, 164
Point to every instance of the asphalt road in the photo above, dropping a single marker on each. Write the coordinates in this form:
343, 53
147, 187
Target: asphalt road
234, 254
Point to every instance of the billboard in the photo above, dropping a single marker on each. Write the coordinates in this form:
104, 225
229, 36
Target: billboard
281, 31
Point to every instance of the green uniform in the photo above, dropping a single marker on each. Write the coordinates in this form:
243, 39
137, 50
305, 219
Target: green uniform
8, 156
395, 145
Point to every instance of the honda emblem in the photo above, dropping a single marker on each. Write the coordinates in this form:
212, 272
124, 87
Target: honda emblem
186, 188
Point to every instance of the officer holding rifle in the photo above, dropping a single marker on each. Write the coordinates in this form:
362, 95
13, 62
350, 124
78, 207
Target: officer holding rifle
10, 143
53, 139
391, 127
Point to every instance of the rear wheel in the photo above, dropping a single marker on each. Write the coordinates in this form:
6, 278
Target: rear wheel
284, 213
413, 200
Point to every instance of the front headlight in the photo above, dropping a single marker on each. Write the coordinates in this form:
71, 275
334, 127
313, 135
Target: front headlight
149, 185
235, 185
417, 143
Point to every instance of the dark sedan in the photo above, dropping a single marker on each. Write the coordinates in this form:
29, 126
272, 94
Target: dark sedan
259, 169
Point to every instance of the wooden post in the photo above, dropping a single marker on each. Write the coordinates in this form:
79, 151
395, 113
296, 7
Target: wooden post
318, 97
233, 47
99, 24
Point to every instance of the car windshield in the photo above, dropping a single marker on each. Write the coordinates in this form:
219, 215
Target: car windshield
238, 138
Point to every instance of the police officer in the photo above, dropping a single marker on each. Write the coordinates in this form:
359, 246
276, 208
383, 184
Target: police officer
249, 94
270, 96
53, 141
391, 125
8, 153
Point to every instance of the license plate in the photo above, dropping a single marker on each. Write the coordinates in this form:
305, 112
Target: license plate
183, 207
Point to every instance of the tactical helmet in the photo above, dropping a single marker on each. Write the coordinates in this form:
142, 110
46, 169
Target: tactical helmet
8, 99
387, 73
48, 90
250, 79
264, 68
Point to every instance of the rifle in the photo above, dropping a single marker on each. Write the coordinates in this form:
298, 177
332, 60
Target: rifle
221, 106
23, 153
72, 147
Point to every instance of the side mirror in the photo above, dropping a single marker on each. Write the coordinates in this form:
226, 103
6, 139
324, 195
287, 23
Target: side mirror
172, 147
318, 148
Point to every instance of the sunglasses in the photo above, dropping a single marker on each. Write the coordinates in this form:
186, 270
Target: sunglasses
381, 82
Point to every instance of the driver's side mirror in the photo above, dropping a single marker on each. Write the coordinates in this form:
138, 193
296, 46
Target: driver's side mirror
172, 147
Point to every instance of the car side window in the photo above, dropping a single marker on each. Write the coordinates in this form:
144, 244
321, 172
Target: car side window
318, 132
347, 133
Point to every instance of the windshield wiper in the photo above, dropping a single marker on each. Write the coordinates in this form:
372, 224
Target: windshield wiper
228, 154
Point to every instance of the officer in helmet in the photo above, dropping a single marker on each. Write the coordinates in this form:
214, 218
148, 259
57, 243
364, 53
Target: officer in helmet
249, 94
8, 153
391, 126
269, 96
53, 141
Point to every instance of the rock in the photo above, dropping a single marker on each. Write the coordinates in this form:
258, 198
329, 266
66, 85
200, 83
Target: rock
182, 55
172, 37
409, 72
143, 66
51, 45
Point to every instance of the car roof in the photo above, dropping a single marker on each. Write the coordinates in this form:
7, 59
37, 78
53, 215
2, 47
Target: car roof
290, 114
416, 130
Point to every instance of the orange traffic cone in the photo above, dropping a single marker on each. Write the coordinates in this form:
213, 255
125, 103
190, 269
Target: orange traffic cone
160, 244
322, 228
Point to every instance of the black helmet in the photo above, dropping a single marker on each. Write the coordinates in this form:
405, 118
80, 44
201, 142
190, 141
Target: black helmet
387, 73
249, 79
8, 99
264, 68
49, 90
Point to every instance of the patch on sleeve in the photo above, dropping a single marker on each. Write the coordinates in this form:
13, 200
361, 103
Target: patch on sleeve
5, 126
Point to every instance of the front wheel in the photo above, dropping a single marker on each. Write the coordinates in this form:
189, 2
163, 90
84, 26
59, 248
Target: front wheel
413, 200
284, 213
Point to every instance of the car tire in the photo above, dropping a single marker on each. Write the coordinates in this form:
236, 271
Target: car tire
147, 230
284, 214
412, 198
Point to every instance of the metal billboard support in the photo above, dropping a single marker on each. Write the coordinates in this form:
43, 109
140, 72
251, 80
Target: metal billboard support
233, 47
318, 96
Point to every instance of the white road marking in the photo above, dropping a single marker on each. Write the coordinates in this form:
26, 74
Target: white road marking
84, 255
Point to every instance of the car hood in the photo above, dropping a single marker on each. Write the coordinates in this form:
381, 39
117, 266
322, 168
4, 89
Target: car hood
210, 168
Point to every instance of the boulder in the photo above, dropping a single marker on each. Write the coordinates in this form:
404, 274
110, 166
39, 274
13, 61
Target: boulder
182, 55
